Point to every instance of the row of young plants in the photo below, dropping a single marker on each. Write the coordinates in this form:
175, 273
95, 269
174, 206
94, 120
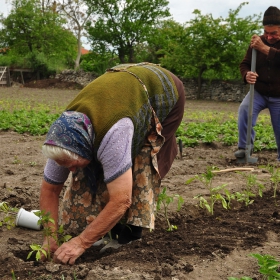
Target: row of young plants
25, 116
268, 264
204, 127
221, 194
207, 127
45, 222
217, 129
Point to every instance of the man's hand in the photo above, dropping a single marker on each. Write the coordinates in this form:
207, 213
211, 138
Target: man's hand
68, 252
258, 44
251, 77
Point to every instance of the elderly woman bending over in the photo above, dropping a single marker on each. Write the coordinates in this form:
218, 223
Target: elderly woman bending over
117, 138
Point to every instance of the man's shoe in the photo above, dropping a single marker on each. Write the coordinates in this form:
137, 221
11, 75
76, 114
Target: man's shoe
240, 153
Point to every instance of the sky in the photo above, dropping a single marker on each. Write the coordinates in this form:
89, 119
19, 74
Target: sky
182, 10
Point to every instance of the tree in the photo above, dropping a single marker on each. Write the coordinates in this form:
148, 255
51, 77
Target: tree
36, 34
167, 45
208, 47
123, 24
78, 15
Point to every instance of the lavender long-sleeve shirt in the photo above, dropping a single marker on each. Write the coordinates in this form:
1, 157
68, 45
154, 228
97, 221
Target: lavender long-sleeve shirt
114, 154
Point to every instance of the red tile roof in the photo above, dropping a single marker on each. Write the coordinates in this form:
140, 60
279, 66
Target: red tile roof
84, 51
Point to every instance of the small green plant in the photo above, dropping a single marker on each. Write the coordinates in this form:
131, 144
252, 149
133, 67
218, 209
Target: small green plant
268, 268
48, 231
9, 215
16, 160
165, 200
229, 197
275, 178
32, 163
247, 194
13, 275
215, 195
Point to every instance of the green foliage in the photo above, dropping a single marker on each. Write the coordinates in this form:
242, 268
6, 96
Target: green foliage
214, 192
47, 224
9, 215
165, 200
35, 35
275, 178
209, 127
21, 121
249, 191
122, 25
268, 268
98, 62
167, 46
206, 47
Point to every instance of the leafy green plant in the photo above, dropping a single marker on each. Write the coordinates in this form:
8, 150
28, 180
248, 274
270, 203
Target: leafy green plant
211, 126
275, 178
21, 121
13, 275
215, 192
16, 160
229, 197
9, 215
48, 231
165, 200
268, 268
247, 194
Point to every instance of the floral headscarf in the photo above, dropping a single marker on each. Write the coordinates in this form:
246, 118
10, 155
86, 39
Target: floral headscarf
72, 131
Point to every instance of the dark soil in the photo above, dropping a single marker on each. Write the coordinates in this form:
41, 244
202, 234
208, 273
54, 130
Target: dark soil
52, 83
204, 246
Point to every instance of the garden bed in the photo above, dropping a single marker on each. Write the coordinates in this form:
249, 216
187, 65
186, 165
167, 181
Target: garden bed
204, 246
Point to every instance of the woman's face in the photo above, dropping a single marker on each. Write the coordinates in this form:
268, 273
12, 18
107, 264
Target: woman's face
73, 165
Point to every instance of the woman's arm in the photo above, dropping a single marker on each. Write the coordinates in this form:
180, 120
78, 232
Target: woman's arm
49, 200
120, 192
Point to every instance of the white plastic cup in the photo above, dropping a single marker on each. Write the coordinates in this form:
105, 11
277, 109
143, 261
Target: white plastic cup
27, 219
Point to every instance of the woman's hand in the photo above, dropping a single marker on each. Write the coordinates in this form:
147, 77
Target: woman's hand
69, 251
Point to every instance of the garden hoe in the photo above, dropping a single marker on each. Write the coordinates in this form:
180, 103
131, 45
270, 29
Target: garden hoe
248, 158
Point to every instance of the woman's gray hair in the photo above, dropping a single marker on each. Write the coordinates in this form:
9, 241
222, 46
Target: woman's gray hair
58, 153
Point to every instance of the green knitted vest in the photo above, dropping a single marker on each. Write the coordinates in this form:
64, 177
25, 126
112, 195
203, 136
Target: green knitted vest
127, 91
